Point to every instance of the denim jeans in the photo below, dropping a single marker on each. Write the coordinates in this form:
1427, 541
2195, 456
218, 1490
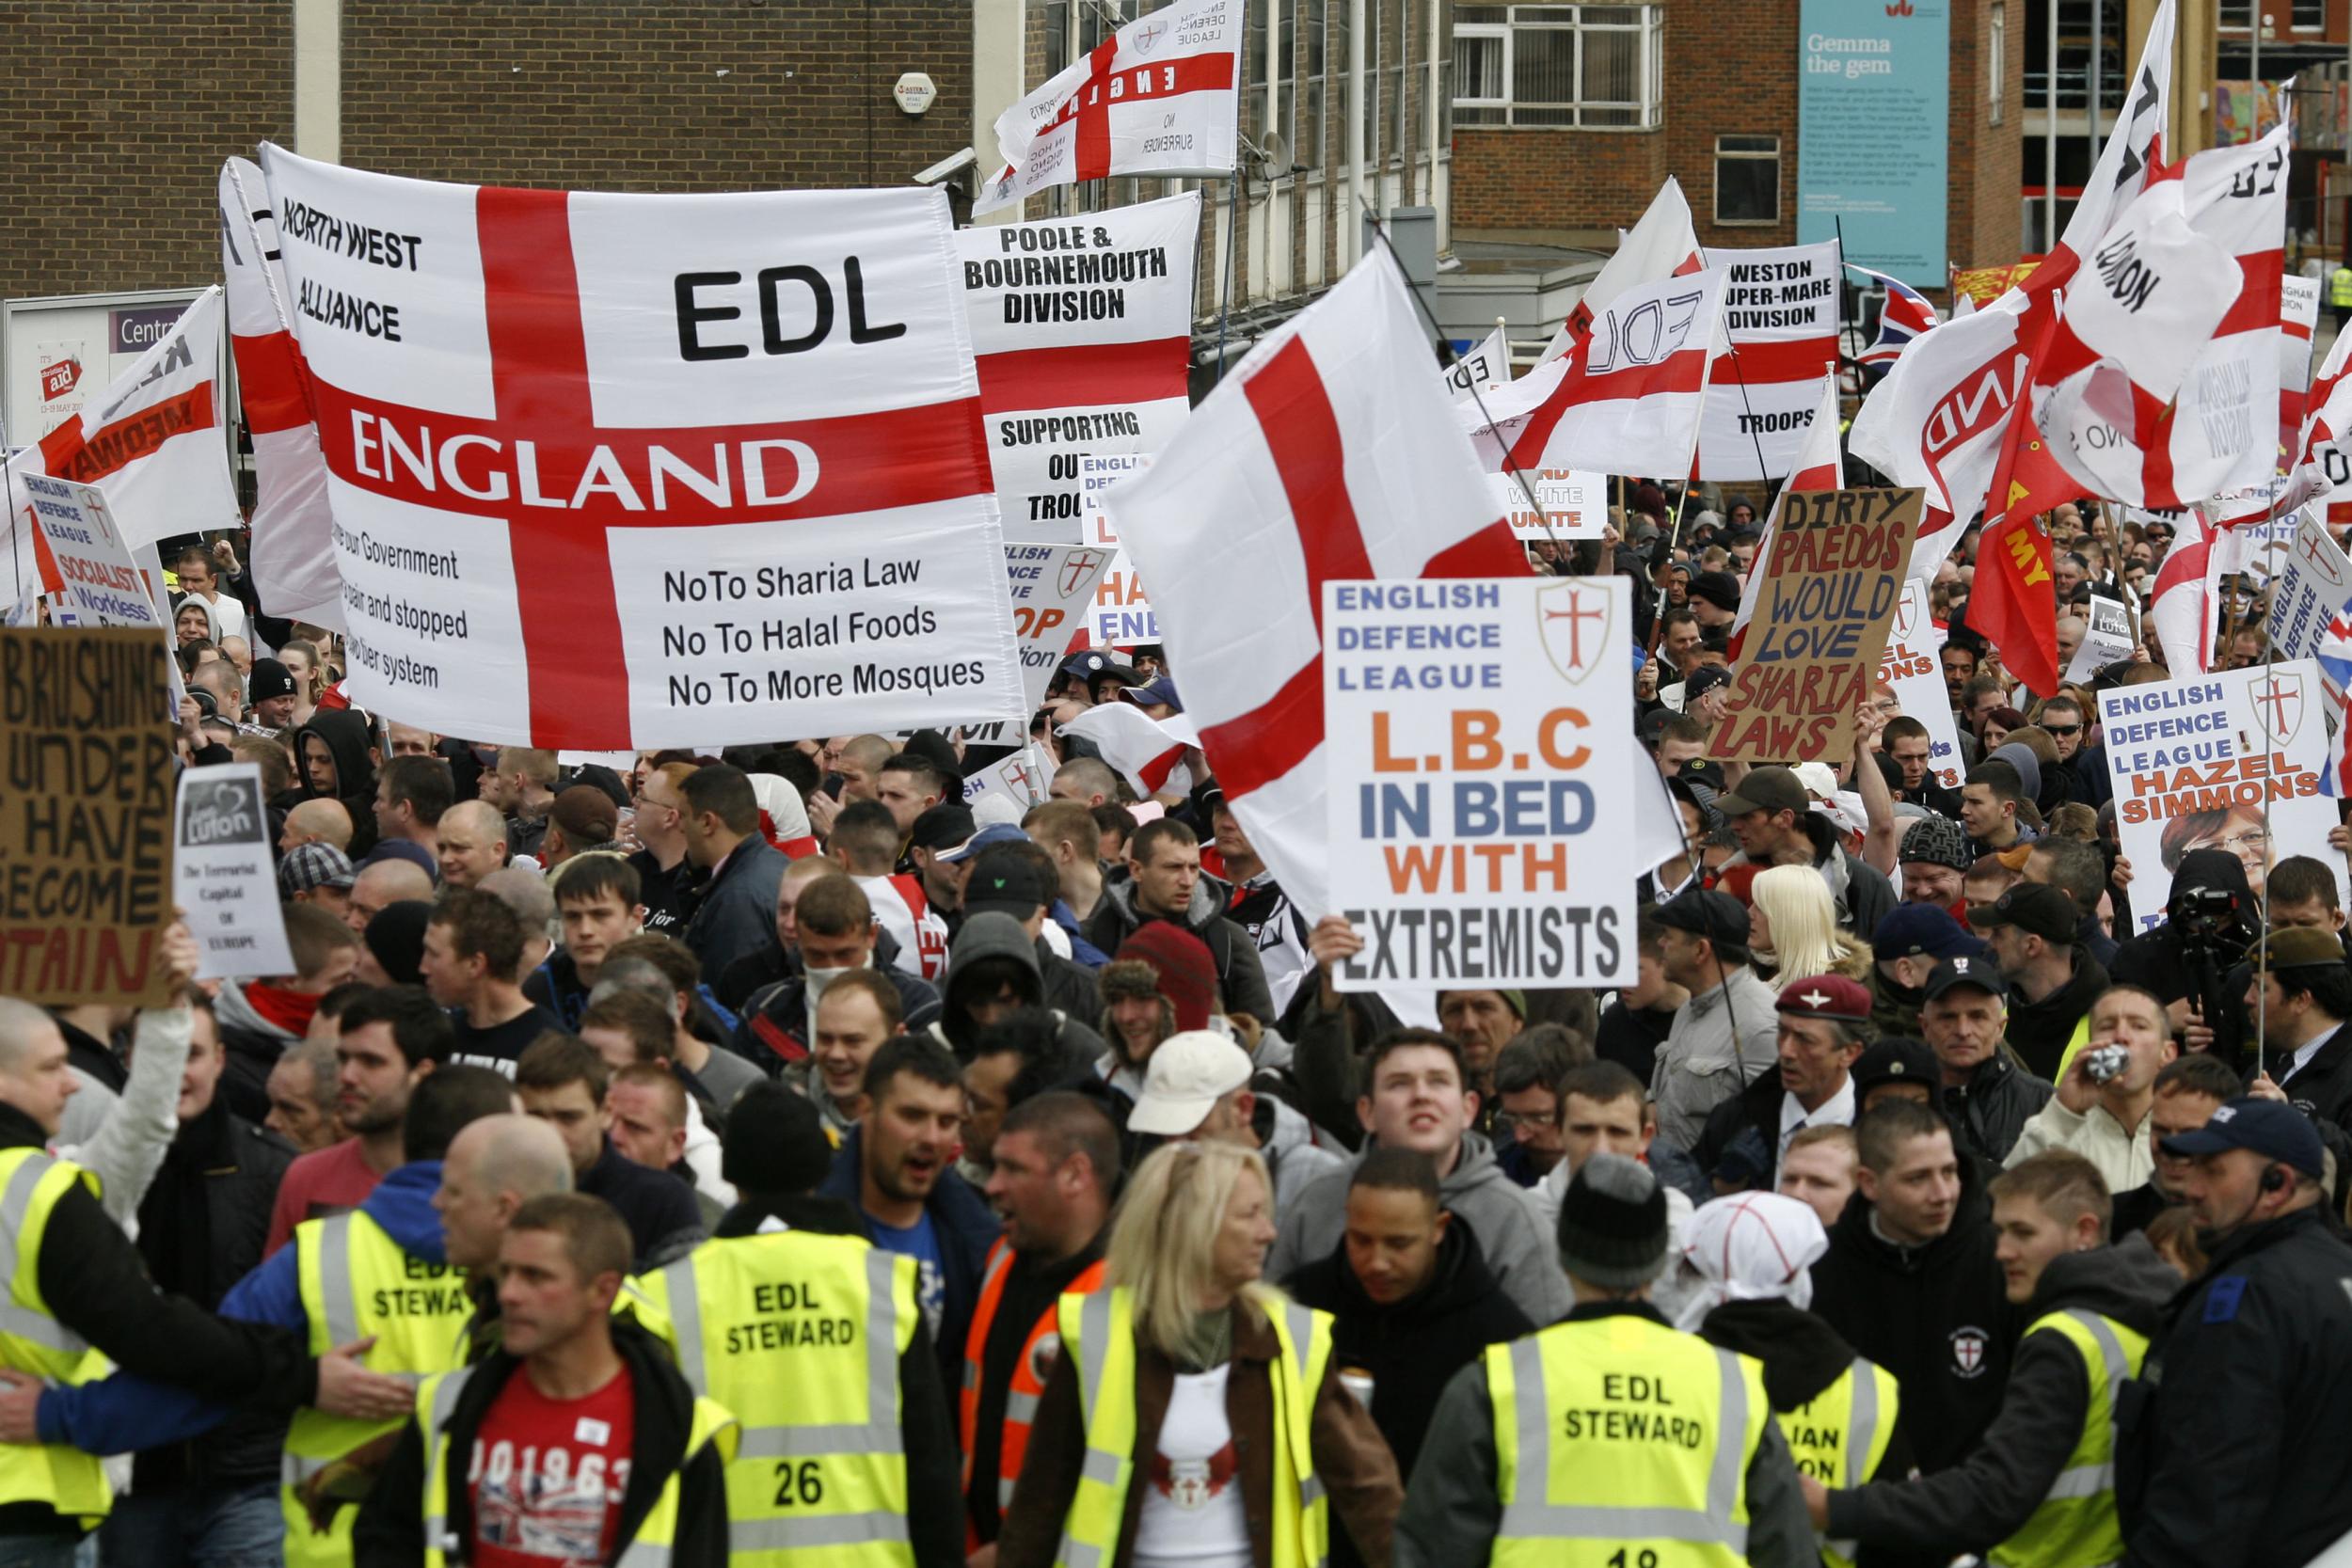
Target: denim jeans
189, 1527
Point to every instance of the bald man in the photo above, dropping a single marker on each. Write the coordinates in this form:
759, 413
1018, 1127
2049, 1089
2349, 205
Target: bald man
316, 822
385, 883
494, 1167
473, 843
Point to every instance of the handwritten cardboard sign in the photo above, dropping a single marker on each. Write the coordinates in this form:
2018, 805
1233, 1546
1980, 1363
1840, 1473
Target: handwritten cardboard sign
85, 795
1833, 578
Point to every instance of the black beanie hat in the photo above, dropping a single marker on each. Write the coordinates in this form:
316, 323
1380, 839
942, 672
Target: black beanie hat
1613, 1224
775, 1143
396, 937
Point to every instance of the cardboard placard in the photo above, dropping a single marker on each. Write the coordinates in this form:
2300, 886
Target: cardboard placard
1832, 584
85, 815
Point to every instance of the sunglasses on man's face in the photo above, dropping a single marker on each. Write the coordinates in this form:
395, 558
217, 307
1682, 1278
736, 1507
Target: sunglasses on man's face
2063, 729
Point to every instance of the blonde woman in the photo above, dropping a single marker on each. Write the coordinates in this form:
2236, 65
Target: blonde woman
1195, 1415
1792, 928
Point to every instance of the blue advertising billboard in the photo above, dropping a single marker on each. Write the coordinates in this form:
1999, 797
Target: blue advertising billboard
1872, 91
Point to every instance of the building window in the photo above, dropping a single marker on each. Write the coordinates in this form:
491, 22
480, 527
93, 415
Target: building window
1996, 61
2309, 15
1747, 180
1591, 66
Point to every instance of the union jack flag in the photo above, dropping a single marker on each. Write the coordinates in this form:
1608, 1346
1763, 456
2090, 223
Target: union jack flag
2335, 663
1904, 316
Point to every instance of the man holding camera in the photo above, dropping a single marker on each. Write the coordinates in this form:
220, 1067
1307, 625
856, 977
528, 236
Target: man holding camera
2106, 1094
2209, 924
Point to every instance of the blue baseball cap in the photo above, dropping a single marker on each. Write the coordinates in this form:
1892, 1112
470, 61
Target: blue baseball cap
1923, 930
1161, 689
996, 832
2270, 1127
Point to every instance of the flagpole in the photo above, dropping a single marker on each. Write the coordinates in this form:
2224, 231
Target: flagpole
1233, 211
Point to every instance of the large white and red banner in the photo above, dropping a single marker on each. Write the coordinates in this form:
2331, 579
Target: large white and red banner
648, 470
1780, 311
1157, 97
153, 442
1328, 455
1626, 401
293, 552
1082, 332
2178, 402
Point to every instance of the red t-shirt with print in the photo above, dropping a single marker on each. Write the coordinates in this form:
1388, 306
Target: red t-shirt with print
548, 1475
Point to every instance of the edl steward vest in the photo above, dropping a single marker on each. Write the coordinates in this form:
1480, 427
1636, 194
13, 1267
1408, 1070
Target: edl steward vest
1619, 1434
799, 1335
34, 1342
359, 1283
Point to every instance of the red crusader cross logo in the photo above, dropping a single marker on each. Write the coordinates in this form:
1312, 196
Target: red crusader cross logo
1074, 570
1573, 621
2278, 704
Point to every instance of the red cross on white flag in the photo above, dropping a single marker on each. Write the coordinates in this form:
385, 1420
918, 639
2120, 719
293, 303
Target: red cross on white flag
1157, 97
648, 470
293, 555
1331, 453
151, 442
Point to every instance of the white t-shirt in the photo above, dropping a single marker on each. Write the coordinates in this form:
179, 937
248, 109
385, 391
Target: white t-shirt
1192, 1508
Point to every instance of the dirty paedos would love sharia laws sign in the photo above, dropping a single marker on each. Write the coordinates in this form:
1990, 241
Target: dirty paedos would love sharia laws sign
1481, 808
86, 771
227, 879
1833, 578
2229, 761
616, 470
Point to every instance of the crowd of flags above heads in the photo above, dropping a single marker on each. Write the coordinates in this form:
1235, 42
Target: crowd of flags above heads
2148, 359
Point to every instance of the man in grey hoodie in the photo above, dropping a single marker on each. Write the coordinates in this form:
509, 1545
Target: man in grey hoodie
1164, 882
1414, 1099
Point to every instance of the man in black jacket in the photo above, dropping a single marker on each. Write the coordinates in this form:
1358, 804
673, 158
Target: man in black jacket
2232, 1445
2302, 994
568, 1425
2052, 979
201, 1229
2052, 1213
95, 1287
1412, 1297
1965, 1014
1910, 1283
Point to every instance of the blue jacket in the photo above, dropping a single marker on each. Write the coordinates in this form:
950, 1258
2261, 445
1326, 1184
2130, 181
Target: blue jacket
1081, 950
966, 1227
125, 1413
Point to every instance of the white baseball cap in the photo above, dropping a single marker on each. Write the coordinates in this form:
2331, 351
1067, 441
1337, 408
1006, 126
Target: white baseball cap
1189, 1074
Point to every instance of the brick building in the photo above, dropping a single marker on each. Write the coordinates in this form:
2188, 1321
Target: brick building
121, 129
1706, 91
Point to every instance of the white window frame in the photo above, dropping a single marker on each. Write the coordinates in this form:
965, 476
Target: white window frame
1743, 155
1996, 60
1649, 110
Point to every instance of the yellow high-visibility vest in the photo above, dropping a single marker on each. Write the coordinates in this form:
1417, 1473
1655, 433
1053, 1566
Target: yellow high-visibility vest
436, 1402
34, 1342
1839, 1435
359, 1283
2340, 288
2075, 1527
799, 1335
1621, 1434
1098, 1330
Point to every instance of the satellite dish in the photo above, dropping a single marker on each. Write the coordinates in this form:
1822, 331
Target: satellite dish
1277, 155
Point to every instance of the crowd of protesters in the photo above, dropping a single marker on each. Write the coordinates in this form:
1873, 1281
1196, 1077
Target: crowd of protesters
779, 1155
